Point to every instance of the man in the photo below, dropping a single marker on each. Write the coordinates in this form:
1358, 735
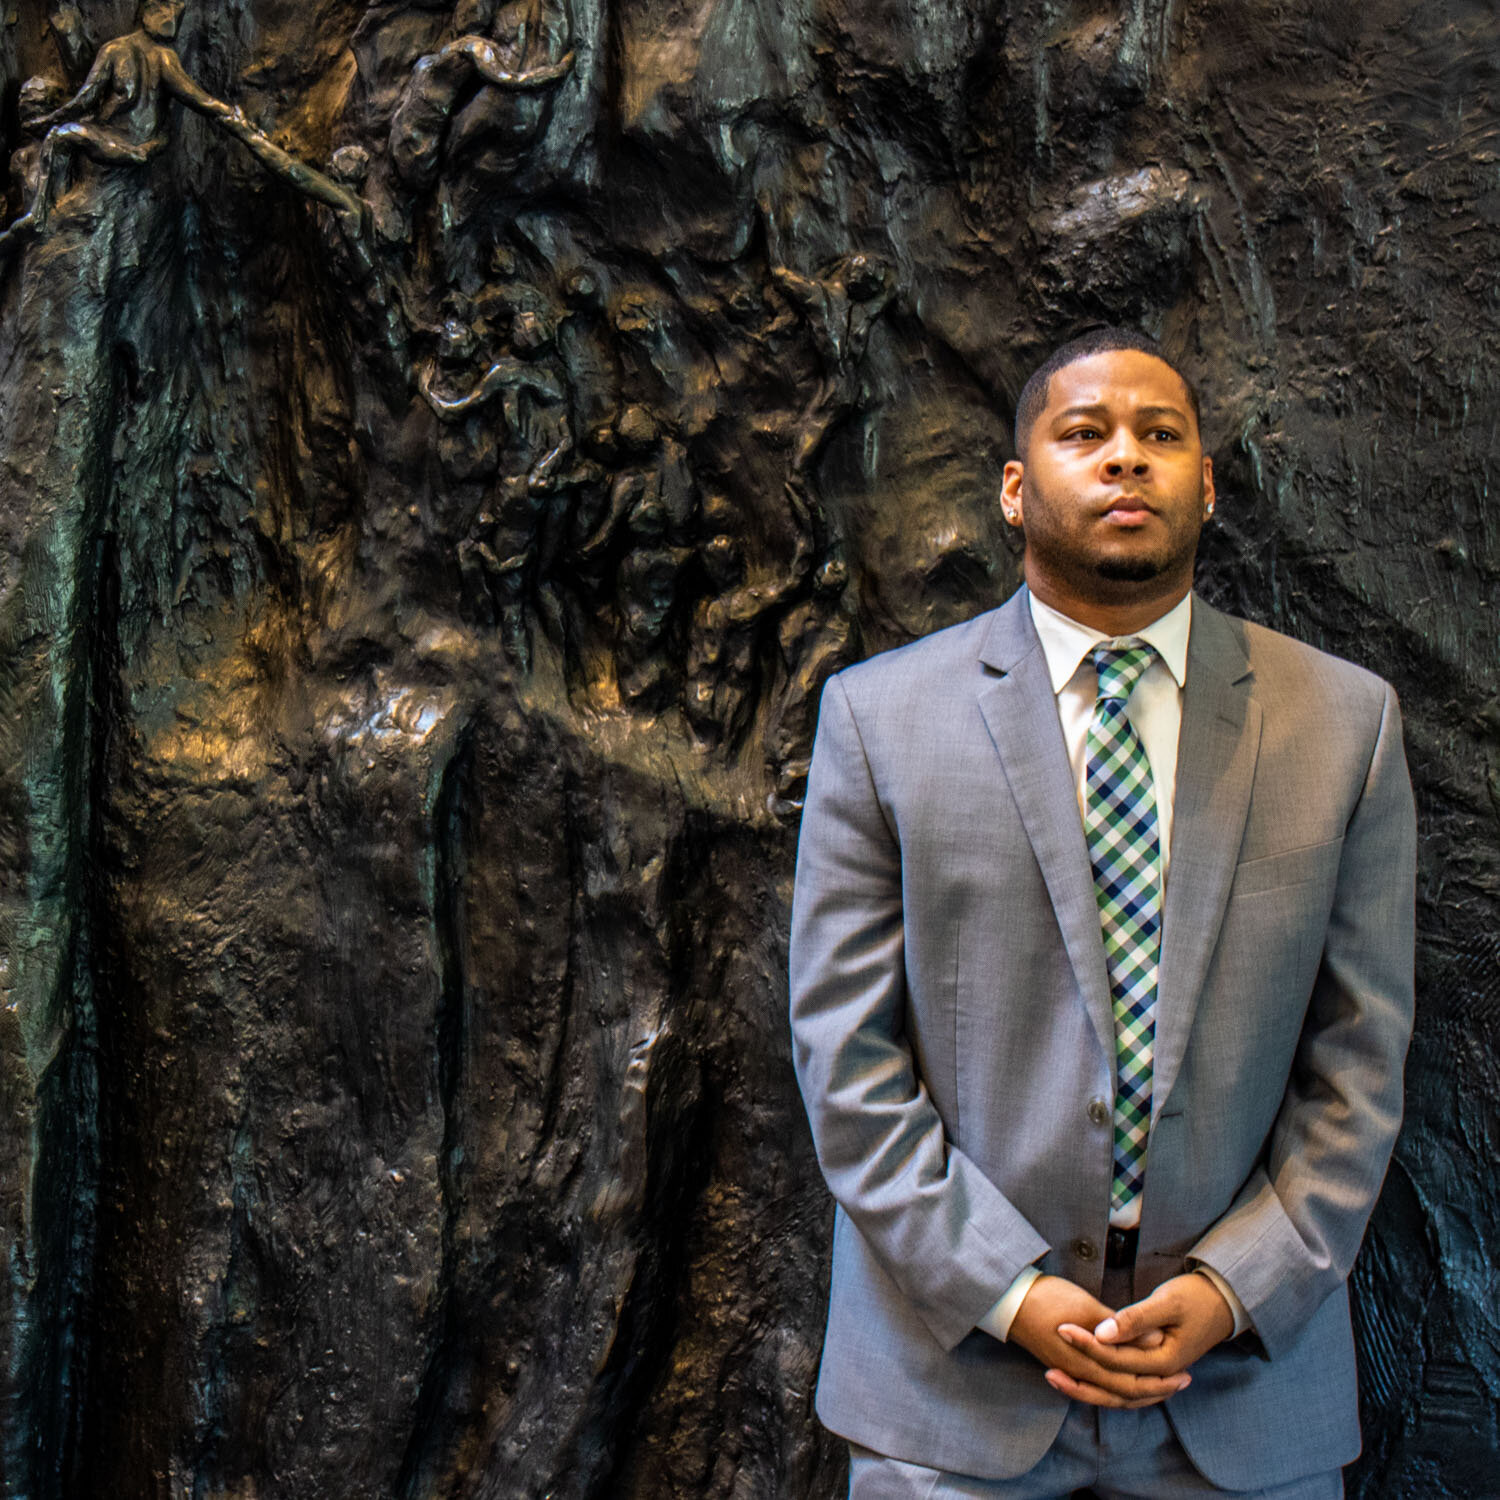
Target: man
1101, 987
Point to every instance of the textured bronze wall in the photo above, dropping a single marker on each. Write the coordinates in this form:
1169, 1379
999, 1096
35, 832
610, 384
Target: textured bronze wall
431, 499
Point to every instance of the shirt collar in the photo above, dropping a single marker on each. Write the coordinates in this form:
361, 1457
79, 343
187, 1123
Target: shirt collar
1065, 642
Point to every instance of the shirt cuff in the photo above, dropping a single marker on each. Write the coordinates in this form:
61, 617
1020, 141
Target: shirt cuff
998, 1319
1241, 1317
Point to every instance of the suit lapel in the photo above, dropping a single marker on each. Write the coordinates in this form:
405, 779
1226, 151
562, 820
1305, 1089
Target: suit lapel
1216, 756
1020, 710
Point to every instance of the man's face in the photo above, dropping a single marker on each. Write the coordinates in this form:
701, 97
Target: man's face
1114, 484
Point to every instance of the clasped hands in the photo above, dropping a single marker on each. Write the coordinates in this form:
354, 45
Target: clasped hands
1130, 1358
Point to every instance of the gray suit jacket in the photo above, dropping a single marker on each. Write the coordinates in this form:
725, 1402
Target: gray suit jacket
951, 1022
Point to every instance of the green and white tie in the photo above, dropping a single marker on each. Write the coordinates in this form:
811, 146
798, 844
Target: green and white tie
1119, 822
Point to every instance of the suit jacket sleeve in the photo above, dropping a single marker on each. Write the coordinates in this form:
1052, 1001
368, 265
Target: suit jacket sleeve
941, 1229
1290, 1237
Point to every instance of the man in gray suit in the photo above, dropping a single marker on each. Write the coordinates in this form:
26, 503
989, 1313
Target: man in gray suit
1101, 988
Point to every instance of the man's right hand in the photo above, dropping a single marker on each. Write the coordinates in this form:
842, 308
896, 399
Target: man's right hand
1053, 1301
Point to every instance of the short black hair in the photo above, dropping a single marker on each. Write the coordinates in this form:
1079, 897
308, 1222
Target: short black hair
1098, 340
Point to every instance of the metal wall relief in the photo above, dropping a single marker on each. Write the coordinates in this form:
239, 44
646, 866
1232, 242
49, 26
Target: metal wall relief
444, 450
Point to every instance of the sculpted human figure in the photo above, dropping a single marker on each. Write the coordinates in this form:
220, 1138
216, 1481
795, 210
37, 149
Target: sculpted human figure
67, 27
442, 85
840, 308
729, 627
119, 119
526, 387
726, 630
816, 638
498, 556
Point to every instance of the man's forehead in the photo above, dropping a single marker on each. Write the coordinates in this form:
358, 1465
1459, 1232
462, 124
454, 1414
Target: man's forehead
1113, 377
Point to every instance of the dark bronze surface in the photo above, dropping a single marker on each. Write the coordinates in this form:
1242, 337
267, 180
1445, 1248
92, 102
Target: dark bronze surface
443, 451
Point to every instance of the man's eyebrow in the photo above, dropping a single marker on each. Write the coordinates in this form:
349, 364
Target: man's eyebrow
1099, 409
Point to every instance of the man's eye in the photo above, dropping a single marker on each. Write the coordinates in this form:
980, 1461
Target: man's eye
1162, 435
1088, 434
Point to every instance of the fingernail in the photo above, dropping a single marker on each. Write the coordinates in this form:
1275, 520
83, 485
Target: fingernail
1052, 1379
1106, 1330
1185, 1382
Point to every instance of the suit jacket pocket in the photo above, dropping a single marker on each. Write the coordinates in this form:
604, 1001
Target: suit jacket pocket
1269, 872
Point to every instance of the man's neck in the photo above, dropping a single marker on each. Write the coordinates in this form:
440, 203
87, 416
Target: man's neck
1113, 617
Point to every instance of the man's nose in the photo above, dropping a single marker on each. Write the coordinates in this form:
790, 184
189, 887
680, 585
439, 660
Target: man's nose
1124, 456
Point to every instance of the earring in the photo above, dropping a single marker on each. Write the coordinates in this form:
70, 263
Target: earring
1208, 510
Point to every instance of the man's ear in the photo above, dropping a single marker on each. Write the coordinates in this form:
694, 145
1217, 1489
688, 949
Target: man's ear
1010, 492
1208, 486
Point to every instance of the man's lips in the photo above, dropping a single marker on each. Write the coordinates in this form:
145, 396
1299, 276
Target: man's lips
1127, 508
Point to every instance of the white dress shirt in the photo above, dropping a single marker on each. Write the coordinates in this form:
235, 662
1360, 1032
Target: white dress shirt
1155, 709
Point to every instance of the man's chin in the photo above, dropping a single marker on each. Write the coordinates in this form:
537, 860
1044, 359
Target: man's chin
1130, 569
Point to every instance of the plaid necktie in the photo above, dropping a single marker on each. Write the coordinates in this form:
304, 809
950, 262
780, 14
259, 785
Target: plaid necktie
1119, 822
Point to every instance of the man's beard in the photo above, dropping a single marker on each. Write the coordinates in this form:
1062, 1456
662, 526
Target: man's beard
1130, 569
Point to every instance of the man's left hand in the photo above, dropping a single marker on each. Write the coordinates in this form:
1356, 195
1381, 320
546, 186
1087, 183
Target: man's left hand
1162, 1335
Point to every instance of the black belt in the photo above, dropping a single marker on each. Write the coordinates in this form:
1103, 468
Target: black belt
1119, 1248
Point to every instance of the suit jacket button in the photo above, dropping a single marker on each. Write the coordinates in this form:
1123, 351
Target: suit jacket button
1098, 1112
1085, 1249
